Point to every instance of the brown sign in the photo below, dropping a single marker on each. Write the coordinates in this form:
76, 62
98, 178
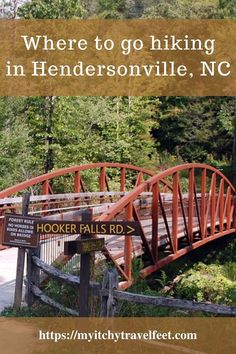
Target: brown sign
127, 228
100, 57
19, 231
83, 246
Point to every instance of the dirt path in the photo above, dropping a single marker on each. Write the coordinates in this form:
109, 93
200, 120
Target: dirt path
8, 260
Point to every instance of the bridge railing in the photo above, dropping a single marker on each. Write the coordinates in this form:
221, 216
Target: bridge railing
67, 190
199, 208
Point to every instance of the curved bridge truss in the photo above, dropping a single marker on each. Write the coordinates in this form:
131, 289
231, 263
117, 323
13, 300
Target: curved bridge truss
199, 208
179, 209
63, 193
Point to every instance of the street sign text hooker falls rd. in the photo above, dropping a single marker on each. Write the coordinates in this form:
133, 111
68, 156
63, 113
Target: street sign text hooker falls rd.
93, 227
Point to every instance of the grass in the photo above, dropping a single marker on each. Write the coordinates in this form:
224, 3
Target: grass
37, 310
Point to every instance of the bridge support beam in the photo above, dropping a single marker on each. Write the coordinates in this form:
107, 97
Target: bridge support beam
175, 212
191, 205
213, 204
203, 204
234, 213
155, 199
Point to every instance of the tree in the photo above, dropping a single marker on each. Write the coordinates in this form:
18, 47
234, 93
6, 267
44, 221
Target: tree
51, 9
43, 108
38, 115
135, 8
195, 128
227, 8
110, 8
174, 131
183, 9
234, 145
17, 163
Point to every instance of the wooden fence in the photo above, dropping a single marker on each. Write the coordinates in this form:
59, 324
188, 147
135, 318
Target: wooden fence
107, 292
34, 265
110, 297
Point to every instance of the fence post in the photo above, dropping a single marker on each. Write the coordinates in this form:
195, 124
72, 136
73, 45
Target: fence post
32, 276
108, 302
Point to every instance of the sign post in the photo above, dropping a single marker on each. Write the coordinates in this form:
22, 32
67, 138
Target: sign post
23, 231
84, 272
21, 259
86, 245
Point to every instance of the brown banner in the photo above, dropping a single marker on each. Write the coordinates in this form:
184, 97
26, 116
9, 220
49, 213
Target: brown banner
118, 335
118, 57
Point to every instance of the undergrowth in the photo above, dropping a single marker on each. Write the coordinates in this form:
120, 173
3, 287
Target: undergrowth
208, 274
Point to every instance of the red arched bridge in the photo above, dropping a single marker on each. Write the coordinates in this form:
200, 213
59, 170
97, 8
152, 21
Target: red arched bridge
179, 209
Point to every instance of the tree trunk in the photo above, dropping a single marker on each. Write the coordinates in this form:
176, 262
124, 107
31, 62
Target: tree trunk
234, 146
49, 163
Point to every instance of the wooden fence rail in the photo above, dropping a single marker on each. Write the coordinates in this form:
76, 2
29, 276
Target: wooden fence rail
61, 276
47, 300
34, 265
109, 294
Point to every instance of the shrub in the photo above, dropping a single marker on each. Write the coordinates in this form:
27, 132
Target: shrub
208, 283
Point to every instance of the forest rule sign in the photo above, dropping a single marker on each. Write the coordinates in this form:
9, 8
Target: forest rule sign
19, 231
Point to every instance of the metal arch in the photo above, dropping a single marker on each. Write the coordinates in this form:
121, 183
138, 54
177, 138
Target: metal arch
147, 185
44, 181
221, 206
188, 166
73, 169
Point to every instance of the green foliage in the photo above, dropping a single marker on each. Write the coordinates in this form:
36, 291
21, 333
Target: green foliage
38, 134
213, 279
160, 8
183, 9
207, 283
15, 144
37, 310
51, 9
62, 293
98, 129
137, 265
194, 127
111, 5
226, 255
227, 8
141, 286
163, 280
229, 271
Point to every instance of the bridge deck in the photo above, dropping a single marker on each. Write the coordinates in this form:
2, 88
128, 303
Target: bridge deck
52, 247
115, 244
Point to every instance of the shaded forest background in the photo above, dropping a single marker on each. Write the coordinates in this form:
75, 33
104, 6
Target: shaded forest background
38, 134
